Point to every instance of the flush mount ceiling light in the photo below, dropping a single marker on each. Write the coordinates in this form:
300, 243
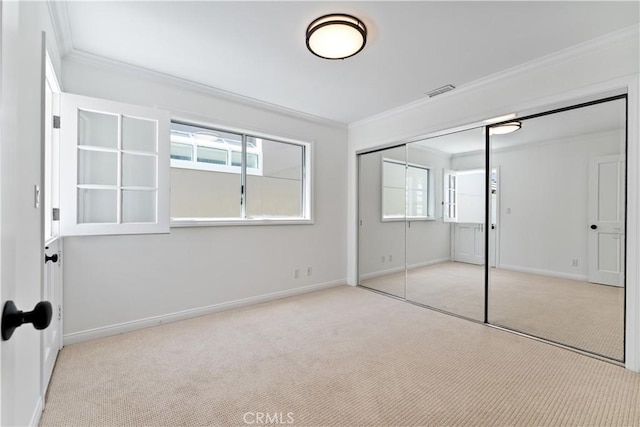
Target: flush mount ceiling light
505, 128
336, 36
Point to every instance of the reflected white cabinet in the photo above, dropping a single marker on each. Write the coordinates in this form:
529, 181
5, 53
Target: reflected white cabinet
114, 167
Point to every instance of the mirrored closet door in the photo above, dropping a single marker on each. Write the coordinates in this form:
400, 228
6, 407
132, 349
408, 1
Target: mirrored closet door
446, 223
382, 213
560, 220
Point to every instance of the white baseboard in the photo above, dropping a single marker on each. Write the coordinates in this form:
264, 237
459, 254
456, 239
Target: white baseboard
401, 268
541, 272
105, 331
37, 413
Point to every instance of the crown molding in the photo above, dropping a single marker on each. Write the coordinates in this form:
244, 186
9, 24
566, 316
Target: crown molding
85, 58
61, 28
628, 33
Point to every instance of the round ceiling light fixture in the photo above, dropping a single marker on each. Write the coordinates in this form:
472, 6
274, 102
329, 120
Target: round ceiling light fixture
336, 36
505, 128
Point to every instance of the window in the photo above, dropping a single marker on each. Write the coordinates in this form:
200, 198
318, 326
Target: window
406, 191
223, 176
199, 148
114, 168
450, 197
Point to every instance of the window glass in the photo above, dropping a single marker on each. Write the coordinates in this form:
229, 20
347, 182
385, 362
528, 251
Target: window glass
212, 155
405, 191
181, 151
277, 192
211, 184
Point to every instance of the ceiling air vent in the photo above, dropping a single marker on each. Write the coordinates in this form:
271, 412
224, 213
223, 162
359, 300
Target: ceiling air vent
440, 90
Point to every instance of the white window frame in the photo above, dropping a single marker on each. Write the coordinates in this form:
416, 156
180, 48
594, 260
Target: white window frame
69, 225
307, 177
447, 203
430, 193
194, 164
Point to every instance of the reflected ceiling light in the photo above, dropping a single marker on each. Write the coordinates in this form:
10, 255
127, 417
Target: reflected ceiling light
501, 118
505, 128
336, 36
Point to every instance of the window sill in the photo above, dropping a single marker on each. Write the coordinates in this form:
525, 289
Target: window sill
208, 222
408, 219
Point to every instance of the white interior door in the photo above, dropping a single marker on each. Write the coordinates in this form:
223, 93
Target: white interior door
21, 114
52, 292
606, 220
469, 243
51, 338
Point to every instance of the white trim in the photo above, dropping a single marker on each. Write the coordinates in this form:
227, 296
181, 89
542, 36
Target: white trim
632, 338
631, 32
37, 413
400, 269
209, 222
60, 21
105, 331
380, 273
85, 58
428, 263
550, 273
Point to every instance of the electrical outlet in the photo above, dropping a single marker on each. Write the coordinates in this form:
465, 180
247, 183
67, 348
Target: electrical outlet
308, 271
574, 262
296, 273
390, 258
382, 259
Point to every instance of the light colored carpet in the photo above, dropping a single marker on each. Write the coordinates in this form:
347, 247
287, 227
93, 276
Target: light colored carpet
338, 357
572, 312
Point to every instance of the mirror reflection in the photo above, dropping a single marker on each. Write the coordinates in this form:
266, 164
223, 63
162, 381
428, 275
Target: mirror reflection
382, 211
445, 251
560, 225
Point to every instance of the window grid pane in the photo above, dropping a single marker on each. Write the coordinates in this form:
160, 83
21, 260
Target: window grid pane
212, 155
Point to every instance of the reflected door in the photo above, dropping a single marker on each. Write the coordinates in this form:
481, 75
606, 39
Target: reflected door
560, 233
606, 220
382, 208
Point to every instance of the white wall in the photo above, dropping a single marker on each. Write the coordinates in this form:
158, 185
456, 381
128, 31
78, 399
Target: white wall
114, 283
20, 154
609, 63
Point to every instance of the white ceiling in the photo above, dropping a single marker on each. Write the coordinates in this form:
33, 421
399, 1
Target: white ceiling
257, 49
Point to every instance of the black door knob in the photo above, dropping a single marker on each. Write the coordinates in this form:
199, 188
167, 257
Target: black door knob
52, 258
12, 318
593, 226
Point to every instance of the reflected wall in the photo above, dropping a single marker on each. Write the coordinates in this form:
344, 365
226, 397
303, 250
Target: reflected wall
547, 259
382, 207
445, 245
560, 208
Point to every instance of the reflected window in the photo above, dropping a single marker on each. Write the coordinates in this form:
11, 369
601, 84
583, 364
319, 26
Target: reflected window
406, 191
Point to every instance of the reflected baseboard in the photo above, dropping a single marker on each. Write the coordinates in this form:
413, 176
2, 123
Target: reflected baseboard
400, 269
541, 272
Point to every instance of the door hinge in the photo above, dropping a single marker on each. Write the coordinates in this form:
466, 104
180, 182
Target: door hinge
55, 214
59, 312
56, 122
